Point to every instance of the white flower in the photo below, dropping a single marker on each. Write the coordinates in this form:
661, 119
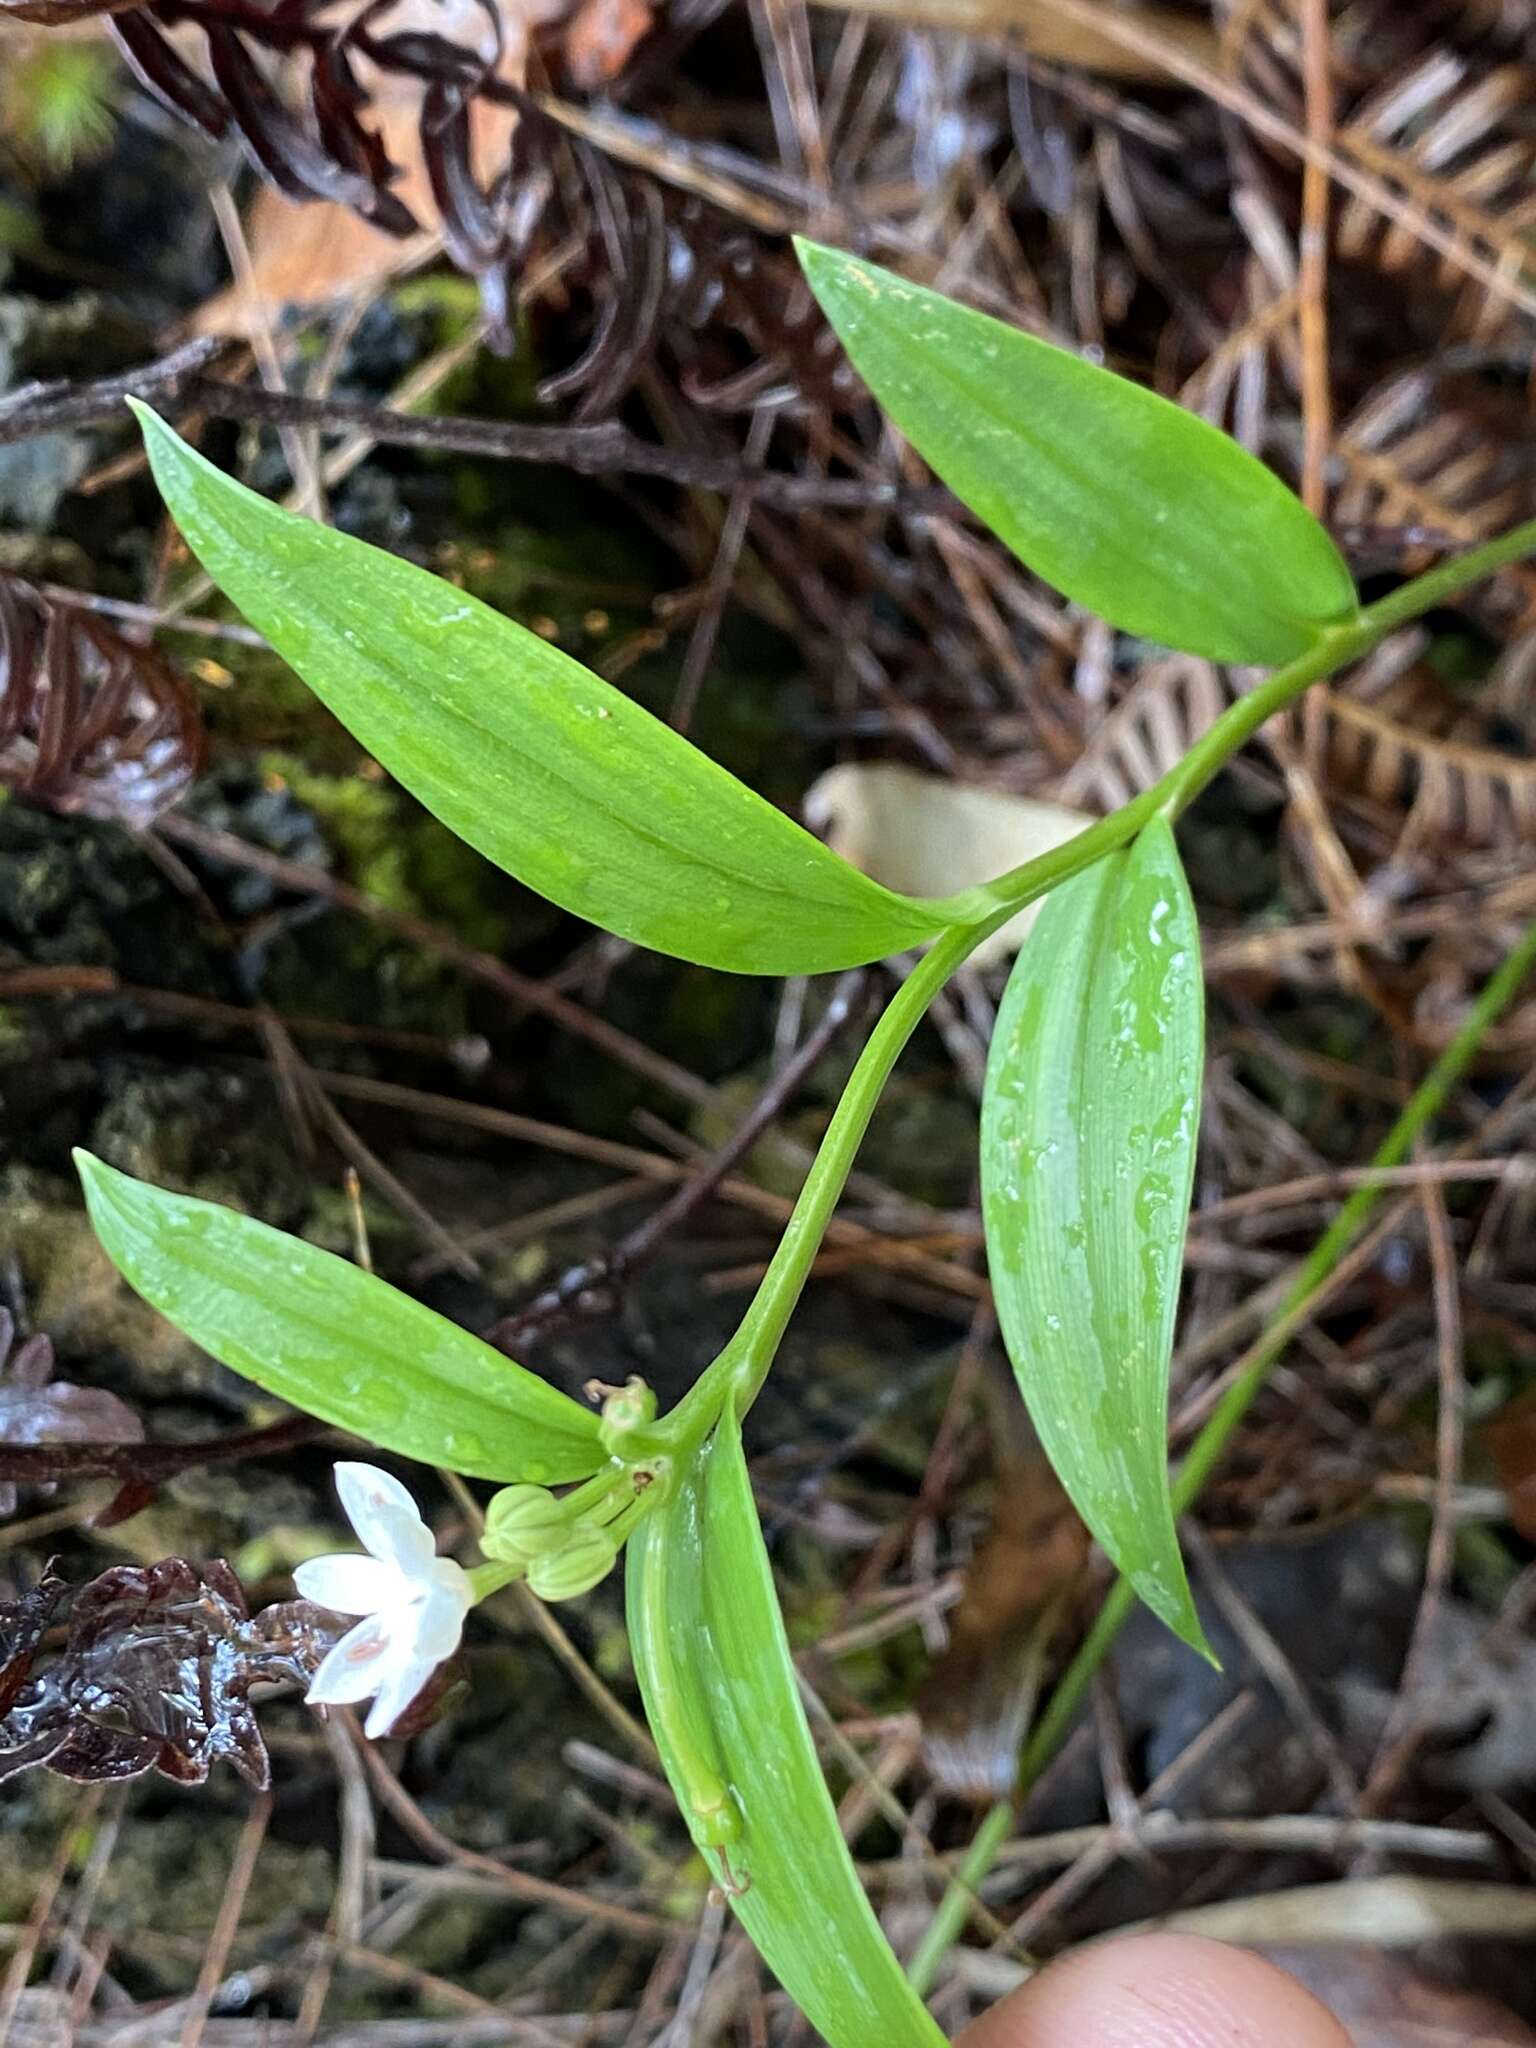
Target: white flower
413, 1601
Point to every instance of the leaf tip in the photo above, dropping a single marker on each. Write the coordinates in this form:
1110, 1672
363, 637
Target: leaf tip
1192, 1634
159, 435
1175, 1608
96, 1179
831, 272
99, 1183
162, 445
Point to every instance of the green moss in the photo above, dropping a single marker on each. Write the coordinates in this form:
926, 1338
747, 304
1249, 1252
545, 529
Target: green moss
59, 97
399, 854
250, 697
168, 1873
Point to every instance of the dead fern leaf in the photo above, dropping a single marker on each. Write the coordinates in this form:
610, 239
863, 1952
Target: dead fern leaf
1261, 47
1437, 105
1446, 453
387, 114
1167, 708
1457, 138
90, 722
1456, 793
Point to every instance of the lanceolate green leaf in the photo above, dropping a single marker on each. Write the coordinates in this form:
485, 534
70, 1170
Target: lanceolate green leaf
1087, 1161
543, 767
323, 1334
1125, 502
720, 1693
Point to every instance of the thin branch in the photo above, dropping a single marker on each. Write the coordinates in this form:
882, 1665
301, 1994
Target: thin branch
57, 407
593, 1288
605, 449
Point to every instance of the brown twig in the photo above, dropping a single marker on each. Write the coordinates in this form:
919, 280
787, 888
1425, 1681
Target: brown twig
227, 1921
1406, 1723
1312, 252
39, 1464
61, 405
605, 449
594, 1288
520, 1884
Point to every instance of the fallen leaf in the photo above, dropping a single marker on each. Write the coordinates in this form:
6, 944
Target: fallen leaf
601, 39
926, 836
1511, 1439
35, 1408
1479, 1713
90, 721
1387, 2001
975, 1704
311, 251
155, 1674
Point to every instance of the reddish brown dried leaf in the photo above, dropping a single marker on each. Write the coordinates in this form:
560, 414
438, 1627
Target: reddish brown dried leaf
375, 111
975, 1701
601, 40
23, 1624
58, 13
155, 1674
166, 76
90, 722
1511, 1439
35, 1408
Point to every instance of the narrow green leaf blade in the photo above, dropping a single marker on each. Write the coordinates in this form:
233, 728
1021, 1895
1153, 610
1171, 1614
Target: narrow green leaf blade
320, 1332
539, 764
1088, 1128
1125, 502
720, 1692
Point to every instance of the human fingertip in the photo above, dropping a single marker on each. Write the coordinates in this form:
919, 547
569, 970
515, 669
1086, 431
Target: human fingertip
1158, 1991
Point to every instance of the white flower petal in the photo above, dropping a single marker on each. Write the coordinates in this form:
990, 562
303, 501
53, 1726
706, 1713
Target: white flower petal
387, 1520
439, 1610
401, 1682
350, 1584
354, 1668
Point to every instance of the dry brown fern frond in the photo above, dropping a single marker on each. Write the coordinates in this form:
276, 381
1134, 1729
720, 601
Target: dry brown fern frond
1154, 725
1457, 792
1447, 455
89, 721
389, 111
1509, 23
1457, 137
1261, 47
1440, 105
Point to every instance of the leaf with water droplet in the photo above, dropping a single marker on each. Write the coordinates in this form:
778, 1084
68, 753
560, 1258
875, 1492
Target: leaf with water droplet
336, 1341
723, 1702
1125, 502
1087, 1162
613, 816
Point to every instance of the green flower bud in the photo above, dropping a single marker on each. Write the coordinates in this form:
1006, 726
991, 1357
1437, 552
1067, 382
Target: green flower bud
625, 1409
524, 1522
587, 1558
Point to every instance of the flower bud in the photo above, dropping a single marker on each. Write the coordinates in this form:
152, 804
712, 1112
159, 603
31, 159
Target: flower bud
625, 1409
524, 1522
587, 1558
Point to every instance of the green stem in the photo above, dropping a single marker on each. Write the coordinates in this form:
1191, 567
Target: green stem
1049, 1732
743, 1365
486, 1579
1240, 721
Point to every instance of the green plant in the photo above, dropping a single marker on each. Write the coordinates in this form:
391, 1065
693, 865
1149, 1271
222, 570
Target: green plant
57, 100
1088, 1127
